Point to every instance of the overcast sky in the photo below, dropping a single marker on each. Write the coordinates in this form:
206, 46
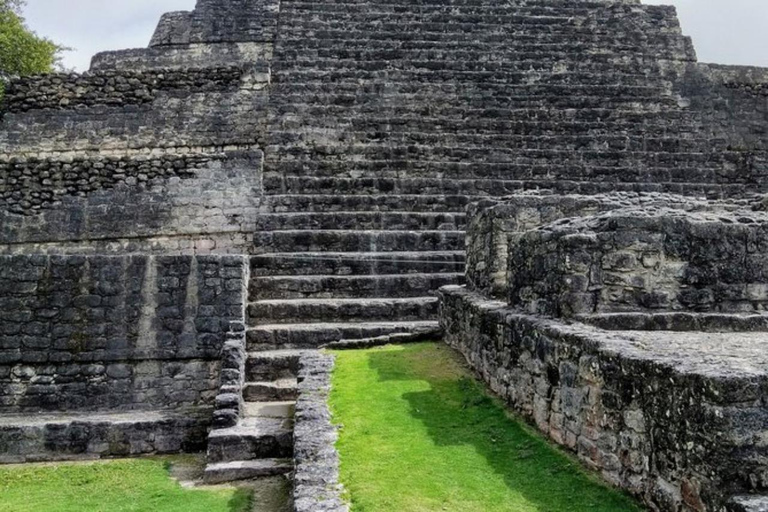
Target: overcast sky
724, 31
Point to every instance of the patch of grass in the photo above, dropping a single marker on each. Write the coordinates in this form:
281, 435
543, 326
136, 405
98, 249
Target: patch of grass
420, 434
135, 485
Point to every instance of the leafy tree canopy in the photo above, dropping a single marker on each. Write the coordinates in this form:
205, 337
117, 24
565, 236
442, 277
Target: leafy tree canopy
22, 52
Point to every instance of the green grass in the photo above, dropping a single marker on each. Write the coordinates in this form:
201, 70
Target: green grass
138, 485
420, 434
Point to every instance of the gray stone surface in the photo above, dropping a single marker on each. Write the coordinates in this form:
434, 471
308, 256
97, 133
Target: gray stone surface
112, 333
676, 418
317, 487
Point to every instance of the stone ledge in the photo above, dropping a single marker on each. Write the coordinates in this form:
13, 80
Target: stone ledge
672, 417
54, 437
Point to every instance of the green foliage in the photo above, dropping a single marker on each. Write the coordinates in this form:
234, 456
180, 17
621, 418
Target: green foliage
22, 52
420, 434
139, 485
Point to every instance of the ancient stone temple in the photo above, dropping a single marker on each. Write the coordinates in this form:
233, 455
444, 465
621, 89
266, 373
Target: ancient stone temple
181, 226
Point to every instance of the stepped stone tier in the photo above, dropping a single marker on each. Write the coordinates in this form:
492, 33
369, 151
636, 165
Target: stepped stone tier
631, 331
182, 225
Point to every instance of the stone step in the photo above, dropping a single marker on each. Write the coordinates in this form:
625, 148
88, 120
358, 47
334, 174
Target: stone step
659, 16
329, 310
748, 503
253, 438
533, 71
339, 287
358, 241
314, 335
665, 46
285, 409
350, 202
223, 472
280, 390
589, 181
386, 221
272, 365
466, 155
381, 112
516, 92
484, 29
643, 125
615, 140
359, 263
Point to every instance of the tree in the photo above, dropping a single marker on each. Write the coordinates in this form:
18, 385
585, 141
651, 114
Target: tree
22, 52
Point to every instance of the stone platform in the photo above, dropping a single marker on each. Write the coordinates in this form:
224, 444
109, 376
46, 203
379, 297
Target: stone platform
68, 436
677, 418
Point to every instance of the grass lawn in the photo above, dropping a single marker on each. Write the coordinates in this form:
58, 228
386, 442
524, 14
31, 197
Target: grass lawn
420, 434
137, 485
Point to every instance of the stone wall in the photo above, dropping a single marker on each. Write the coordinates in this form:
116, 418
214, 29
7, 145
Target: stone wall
115, 333
130, 201
642, 259
496, 225
648, 411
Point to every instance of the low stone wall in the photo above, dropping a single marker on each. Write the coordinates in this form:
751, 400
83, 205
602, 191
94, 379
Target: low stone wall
642, 259
680, 430
115, 333
316, 484
39, 438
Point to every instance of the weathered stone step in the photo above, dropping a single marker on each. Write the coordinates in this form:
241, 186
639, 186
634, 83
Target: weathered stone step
279, 390
611, 139
594, 180
272, 365
748, 503
387, 221
555, 152
252, 438
516, 91
360, 263
542, 40
357, 241
309, 107
520, 122
222, 472
348, 202
314, 335
482, 29
339, 287
361, 310
246, 470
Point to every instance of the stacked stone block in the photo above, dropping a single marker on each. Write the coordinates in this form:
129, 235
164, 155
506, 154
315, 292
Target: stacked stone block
631, 331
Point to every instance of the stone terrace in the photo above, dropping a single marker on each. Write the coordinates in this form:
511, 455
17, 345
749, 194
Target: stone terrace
632, 336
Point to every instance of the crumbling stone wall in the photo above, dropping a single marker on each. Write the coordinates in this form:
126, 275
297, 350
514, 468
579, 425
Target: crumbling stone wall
494, 226
645, 410
642, 259
115, 333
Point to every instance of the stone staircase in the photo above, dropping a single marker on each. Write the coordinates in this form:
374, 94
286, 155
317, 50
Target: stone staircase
261, 444
388, 118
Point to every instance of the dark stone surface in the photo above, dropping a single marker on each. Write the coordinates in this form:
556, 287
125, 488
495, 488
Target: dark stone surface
115, 333
642, 259
677, 419
316, 487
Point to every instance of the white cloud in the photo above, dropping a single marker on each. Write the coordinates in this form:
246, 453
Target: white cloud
725, 31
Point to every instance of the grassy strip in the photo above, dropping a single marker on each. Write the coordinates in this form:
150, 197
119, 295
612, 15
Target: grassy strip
137, 485
420, 434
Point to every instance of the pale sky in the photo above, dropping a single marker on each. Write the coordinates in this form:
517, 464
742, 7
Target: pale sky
724, 31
